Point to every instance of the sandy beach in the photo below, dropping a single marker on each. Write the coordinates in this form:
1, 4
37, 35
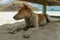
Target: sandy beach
51, 31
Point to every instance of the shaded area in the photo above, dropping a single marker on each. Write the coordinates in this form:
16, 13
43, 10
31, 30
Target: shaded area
49, 2
51, 31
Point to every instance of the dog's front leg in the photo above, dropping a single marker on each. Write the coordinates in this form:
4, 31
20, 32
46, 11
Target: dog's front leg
31, 30
28, 33
16, 29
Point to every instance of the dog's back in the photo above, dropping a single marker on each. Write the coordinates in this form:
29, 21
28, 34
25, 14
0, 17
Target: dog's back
42, 19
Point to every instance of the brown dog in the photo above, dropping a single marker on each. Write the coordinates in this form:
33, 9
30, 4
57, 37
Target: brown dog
31, 19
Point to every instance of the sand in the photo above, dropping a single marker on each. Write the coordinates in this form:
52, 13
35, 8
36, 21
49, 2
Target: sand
51, 31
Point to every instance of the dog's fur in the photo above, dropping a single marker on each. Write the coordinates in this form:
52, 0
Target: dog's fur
32, 19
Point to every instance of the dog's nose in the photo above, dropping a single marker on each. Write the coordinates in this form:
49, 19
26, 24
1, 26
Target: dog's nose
14, 17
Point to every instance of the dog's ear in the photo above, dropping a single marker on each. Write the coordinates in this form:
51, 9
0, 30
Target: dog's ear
27, 6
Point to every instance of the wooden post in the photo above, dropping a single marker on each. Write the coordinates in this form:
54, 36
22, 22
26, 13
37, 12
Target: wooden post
44, 10
44, 7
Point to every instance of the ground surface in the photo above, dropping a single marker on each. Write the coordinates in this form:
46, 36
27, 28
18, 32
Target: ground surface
50, 31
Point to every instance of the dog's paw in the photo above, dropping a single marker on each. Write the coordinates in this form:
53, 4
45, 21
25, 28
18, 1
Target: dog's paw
12, 32
26, 36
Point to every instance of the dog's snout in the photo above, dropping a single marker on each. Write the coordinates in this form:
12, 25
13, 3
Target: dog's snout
14, 17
